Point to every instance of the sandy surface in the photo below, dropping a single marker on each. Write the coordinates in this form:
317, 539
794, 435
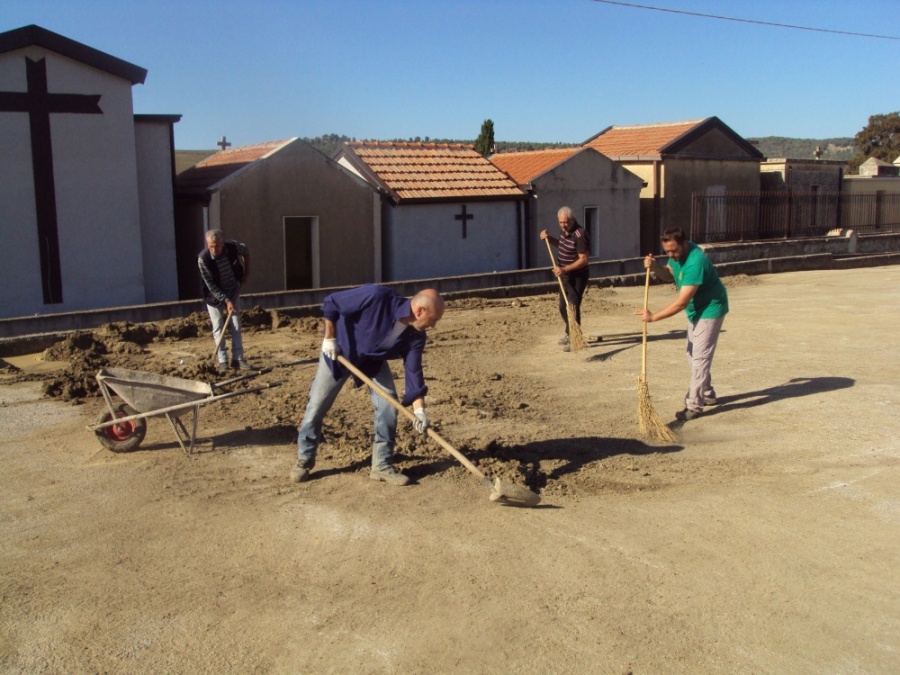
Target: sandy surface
764, 540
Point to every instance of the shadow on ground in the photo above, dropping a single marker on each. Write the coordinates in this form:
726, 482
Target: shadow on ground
793, 388
565, 455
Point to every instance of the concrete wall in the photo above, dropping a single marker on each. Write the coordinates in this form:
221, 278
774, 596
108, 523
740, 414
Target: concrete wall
426, 240
97, 204
156, 192
730, 259
588, 178
789, 248
866, 185
682, 177
801, 176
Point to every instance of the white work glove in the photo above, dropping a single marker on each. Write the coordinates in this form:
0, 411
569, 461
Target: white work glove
330, 348
421, 423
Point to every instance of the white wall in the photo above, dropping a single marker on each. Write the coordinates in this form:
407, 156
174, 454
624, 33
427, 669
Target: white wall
154, 168
96, 193
425, 240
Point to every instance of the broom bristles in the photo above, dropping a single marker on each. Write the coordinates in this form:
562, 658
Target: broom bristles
576, 339
651, 426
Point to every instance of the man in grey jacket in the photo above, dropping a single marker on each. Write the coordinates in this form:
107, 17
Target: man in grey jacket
224, 267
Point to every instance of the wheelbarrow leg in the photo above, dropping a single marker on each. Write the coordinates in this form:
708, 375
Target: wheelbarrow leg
181, 432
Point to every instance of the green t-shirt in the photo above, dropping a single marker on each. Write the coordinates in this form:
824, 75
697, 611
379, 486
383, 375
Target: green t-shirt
711, 300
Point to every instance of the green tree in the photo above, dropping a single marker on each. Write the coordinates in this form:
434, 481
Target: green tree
484, 144
880, 139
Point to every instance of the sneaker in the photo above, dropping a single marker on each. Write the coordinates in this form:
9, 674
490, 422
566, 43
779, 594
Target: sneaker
687, 414
223, 368
389, 475
240, 364
300, 473
710, 400
564, 340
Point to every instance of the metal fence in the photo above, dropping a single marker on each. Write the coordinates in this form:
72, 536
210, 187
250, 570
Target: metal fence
749, 216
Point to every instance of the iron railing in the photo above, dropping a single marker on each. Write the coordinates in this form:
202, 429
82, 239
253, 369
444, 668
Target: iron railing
750, 216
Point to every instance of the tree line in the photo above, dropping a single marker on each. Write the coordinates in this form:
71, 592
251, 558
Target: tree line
880, 138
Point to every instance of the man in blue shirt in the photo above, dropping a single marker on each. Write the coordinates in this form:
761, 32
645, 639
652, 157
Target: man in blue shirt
370, 325
703, 298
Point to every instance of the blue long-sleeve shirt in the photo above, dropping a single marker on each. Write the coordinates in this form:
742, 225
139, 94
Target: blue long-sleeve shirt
363, 318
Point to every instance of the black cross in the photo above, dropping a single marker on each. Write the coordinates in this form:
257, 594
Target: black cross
464, 217
223, 143
39, 104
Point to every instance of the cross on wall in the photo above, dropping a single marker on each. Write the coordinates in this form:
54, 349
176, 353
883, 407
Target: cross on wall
40, 104
223, 143
464, 216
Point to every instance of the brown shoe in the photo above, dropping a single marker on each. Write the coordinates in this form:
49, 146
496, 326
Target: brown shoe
389, 475
299, 474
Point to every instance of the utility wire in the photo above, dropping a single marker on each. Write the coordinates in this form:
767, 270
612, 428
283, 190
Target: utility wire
731, 18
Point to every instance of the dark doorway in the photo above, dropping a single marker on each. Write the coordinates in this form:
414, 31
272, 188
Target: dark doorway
298, 253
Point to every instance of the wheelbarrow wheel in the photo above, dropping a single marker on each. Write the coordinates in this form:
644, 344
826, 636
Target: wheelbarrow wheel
122, 437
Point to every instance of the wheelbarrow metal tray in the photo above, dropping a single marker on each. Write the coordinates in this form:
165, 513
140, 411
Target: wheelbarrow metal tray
146, 392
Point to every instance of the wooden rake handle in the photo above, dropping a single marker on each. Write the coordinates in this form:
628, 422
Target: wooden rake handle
431, 432
222, 334
559, 279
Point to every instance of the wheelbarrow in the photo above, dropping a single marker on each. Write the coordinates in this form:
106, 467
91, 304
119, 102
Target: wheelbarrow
122, 427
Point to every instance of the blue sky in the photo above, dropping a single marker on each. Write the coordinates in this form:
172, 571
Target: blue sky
542, 70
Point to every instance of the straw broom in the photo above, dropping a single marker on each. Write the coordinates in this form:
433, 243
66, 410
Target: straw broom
576, 339
651, 426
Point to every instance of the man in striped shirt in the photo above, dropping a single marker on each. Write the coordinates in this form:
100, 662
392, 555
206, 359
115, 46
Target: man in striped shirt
574, 246
224, 266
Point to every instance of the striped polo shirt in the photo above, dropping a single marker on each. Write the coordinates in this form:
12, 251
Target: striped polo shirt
571, 244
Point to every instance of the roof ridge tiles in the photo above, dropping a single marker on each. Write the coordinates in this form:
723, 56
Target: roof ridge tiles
410, 144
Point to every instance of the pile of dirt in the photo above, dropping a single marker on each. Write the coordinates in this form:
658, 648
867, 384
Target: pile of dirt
464, 393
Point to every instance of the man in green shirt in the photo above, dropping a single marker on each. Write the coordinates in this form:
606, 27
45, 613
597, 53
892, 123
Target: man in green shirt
703, 298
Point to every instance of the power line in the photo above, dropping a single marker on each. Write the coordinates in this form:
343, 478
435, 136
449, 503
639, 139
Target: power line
731, 18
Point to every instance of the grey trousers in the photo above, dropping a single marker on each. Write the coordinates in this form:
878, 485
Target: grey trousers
702, 338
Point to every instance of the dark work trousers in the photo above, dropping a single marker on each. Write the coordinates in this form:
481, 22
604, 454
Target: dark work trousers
574, 285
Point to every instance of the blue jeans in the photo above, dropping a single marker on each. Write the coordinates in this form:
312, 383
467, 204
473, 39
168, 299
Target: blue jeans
217, 316
322, 394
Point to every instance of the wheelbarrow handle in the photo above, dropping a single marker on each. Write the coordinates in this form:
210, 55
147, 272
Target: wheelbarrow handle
183, 406
241, 378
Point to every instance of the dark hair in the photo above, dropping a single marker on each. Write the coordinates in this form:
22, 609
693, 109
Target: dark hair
675, 234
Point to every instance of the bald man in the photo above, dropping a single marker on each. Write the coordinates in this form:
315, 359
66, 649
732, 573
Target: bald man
369, 326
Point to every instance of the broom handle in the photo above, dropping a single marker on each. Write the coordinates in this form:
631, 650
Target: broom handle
559, 279
644, 346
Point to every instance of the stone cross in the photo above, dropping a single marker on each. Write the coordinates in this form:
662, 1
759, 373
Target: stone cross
464, 217
40, 104
223, 143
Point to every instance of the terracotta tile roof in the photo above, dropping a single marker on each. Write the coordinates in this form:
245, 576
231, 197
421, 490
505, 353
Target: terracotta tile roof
433, 170
525, 166
203, 175
640, 140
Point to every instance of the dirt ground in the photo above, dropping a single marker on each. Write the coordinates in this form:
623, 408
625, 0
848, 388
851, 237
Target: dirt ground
764, 540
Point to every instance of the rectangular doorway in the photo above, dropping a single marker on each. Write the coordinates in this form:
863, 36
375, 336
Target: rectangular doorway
300, 261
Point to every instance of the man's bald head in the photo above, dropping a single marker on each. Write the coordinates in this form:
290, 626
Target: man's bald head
427, 308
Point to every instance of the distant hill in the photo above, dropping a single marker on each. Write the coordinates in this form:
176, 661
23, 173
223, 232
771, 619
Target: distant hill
778, 147
771, 146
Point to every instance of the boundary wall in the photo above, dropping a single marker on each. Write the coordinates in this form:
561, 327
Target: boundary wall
832, 252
